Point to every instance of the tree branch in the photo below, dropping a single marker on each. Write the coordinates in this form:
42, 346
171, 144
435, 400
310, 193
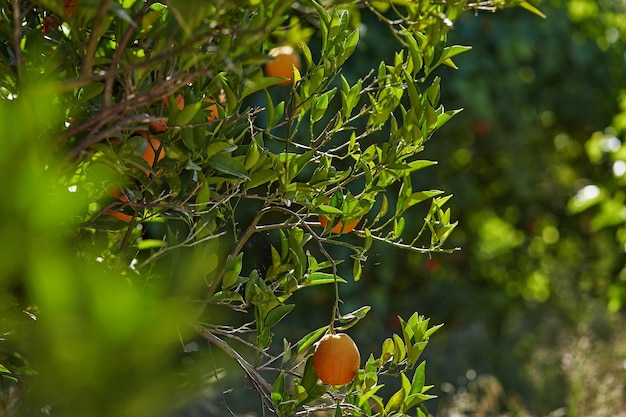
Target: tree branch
93, 39
17, 38
263, 387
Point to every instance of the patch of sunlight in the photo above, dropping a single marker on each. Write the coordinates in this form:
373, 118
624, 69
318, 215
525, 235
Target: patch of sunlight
585, 198
498, 236
537, 286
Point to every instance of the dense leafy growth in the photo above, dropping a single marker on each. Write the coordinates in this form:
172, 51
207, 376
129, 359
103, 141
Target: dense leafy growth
171, 197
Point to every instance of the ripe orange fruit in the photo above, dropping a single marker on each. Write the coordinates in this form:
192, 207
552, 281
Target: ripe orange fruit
70, 7
284, 59
336, 359
49, 22
339, 228
180, 101
117, 193
157, 127
213, 106
150, 154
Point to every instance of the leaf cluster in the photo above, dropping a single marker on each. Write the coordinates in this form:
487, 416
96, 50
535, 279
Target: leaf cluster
174, 145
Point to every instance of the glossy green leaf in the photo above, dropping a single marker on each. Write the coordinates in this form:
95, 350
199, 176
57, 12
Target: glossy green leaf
226, 296
228, 165
308, 340
526, 5
261, 177
419, 378
320, 278
395, 402
185, 115
277, 314
278, 388
309, 377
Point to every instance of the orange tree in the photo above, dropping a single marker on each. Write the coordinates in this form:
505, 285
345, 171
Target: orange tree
146, 150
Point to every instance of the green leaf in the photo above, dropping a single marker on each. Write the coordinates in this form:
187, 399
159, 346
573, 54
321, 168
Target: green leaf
227, 296
363, 398
419, 378
406, 384
219, 147
235, 264
253, 85
311, 338
357, 270
398, 226
325, 208
320, 104
418, 197
420, 164
277, 314
309, 377
433, 92
233, 269
278, 388
121, 12
187, 113
320, 278
350, 44
443, 118
90, 91
230, 279
395, 402
306, 51
297, 252
276, 259
414, 399
455, 50
415, 54
150, 244
228, 165
261, 177
399, 352
532, 9
387, 350
350, 319
204, 194
302, 161
432, 330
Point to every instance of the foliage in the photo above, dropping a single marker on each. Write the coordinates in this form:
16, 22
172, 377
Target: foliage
129, 267
532, 275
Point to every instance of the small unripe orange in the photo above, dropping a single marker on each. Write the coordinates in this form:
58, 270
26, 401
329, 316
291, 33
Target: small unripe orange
336, 359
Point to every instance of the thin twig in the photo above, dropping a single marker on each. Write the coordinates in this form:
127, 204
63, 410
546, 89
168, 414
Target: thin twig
108, 84
94, 37
17, 38
263, 387
238, 247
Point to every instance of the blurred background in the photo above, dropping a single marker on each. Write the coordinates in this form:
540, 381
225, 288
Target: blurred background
534, 303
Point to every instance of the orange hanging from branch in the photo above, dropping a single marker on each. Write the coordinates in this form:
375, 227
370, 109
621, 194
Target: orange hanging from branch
284, 59
336, 359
